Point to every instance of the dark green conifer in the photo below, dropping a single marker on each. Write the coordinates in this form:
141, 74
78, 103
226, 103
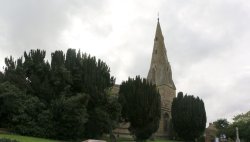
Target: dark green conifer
141, 106
188, 116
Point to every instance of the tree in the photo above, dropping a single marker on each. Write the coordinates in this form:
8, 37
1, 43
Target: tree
10, 104
242, 121
242, 117
37, 73
34, 119
97, 81
1, 77
21, 113
65, 99
188, 116
221, 125
141, 107
14, 73
70, 116
60, 77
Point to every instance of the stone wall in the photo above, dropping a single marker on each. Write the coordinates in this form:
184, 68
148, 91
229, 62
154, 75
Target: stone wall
167, 95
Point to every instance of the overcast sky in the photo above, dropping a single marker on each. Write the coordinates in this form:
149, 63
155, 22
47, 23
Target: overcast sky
207, 41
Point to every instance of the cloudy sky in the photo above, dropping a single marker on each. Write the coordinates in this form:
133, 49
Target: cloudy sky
207, 41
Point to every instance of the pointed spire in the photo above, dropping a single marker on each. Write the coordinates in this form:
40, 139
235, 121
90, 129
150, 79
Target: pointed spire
160, 70
158, 33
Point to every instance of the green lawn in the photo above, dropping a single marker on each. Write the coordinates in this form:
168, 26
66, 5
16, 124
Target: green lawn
163, 141
34, 139
147, 141
131, 140
25, 138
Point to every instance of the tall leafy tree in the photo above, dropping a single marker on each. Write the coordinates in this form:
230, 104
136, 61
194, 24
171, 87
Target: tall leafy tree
10, 103
82, 73
221, 125
96, 81
14, 72
60, 77
188, 116
68, 98
72, 64
70, 116
37, 74
1, 77
141, 107
242, 121
20, 112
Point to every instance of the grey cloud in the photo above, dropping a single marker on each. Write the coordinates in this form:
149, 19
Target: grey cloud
39, 24
200, 29
207, 41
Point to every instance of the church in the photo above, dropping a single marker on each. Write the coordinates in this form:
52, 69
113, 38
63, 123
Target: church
160, 74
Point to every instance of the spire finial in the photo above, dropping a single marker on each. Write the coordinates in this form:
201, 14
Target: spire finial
158, 16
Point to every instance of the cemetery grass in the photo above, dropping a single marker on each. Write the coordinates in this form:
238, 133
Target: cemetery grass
131, 140
35, 139
25, 138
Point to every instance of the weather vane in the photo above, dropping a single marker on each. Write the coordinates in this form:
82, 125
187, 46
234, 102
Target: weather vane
158, 16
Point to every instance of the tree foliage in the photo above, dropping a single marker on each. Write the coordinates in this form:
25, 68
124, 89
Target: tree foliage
141, 107
221, 125
242, 121
68, 114
67, 98
188, 116
10, 103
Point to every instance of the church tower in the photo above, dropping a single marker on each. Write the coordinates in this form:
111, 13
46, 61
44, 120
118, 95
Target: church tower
160, 74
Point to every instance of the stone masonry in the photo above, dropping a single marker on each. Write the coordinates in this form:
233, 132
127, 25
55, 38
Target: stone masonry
160, 74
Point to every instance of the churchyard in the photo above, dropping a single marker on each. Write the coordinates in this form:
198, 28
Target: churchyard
35, 139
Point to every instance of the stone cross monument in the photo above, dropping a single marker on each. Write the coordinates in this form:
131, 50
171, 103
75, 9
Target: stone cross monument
160, 74
237, 135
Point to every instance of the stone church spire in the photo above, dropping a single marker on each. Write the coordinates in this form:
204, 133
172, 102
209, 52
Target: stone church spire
160, 70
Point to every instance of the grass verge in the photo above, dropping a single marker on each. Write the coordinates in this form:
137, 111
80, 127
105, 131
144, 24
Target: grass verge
35, 139
25, 138
122, 139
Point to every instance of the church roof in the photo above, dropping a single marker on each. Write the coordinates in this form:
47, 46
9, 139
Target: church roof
160, 72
